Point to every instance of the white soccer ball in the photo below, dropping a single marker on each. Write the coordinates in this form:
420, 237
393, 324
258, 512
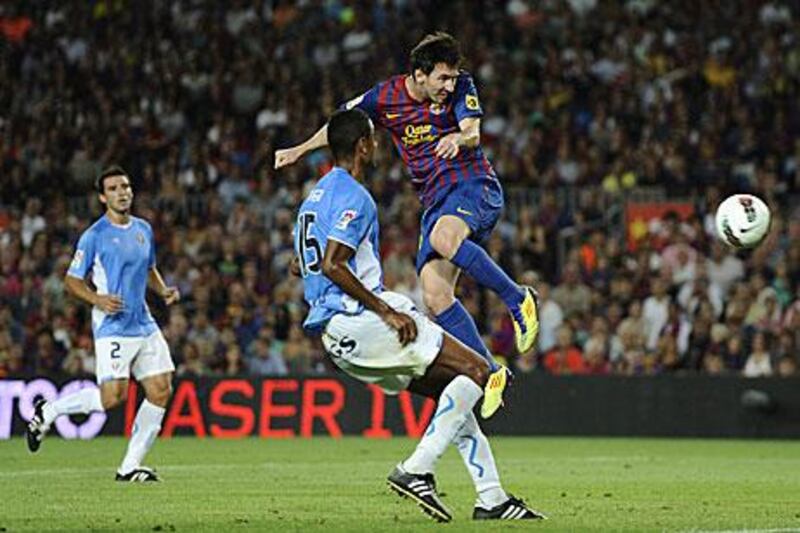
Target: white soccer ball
742, 220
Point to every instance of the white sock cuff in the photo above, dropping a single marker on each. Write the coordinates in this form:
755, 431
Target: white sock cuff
150, 412
467, 389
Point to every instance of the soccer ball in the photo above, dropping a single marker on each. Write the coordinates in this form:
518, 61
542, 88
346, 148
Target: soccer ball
742, 220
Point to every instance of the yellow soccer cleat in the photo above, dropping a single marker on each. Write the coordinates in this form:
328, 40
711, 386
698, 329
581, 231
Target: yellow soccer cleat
493, 392
528, 313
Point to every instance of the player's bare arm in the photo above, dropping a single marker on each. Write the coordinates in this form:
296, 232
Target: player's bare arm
289, 156
108, 303
335, 267
170, 295
469, 137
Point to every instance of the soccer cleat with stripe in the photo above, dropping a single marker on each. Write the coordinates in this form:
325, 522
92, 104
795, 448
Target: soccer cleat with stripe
139, 475
421, 488
512, 509
526, 320
493, 392
36, 429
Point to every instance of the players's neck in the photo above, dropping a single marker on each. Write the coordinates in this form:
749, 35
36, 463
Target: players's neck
414, 90
353, 167
118, 218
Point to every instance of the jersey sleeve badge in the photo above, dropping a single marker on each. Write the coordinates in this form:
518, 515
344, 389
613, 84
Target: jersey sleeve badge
348, 215
77, 260
471, 102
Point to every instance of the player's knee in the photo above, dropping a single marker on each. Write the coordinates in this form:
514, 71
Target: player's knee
437, 299
112, 397
445, 241
160, 395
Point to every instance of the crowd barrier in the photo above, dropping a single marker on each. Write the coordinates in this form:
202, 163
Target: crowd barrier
536, 404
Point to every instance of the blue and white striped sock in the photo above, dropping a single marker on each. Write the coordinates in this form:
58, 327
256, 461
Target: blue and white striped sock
474, 448
456, 401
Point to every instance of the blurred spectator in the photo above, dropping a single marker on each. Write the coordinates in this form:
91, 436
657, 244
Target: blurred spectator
266, 359
565, 358
758, 363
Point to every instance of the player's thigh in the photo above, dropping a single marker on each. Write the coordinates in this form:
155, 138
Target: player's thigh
448, 233
114, 357
369, 350
153, 359
454, 359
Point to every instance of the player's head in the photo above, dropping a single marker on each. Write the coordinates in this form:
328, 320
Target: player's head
351, 136
435, 62
114, 188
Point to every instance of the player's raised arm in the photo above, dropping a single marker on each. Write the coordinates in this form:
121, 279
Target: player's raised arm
289, 156
335, 267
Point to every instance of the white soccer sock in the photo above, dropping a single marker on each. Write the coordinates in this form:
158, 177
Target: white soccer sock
84, 401
474, 448
456, 401
145, 430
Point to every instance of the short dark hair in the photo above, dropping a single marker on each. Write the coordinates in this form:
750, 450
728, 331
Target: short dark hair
345, 128
435, 48
113, 170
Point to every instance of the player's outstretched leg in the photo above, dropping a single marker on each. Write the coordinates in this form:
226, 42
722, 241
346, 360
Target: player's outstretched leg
521, 301
146, 426
456, 378
450, 239
493, 502
84, 401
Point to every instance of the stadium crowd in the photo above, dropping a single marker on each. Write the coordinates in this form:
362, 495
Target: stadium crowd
586, 103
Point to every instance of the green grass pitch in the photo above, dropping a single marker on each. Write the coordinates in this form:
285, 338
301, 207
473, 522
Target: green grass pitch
339, 485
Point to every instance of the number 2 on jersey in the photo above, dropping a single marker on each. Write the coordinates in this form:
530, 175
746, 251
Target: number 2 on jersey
309, 246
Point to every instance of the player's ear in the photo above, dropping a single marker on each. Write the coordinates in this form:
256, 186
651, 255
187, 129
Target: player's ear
418, 75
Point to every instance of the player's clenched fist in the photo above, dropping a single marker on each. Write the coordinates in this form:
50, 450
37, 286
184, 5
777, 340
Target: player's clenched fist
404, 324
286, 157
171, 295
110, 303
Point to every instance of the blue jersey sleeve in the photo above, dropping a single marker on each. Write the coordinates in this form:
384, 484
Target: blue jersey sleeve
367, 102
466, 100
352, 218
83, 259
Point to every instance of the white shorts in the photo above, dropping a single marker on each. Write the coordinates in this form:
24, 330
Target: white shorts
365, 347
119, 357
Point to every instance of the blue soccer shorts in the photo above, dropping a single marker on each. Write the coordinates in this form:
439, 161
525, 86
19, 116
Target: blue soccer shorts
478, 202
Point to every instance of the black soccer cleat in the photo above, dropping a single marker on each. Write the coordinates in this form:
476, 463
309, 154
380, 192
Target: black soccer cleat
36, 431
421, 488
512, 509
139, 475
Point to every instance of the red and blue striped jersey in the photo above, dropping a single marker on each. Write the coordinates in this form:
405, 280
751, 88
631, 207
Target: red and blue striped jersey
416, 128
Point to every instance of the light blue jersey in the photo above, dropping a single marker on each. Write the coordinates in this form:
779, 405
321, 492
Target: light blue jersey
119, 259
340, 209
